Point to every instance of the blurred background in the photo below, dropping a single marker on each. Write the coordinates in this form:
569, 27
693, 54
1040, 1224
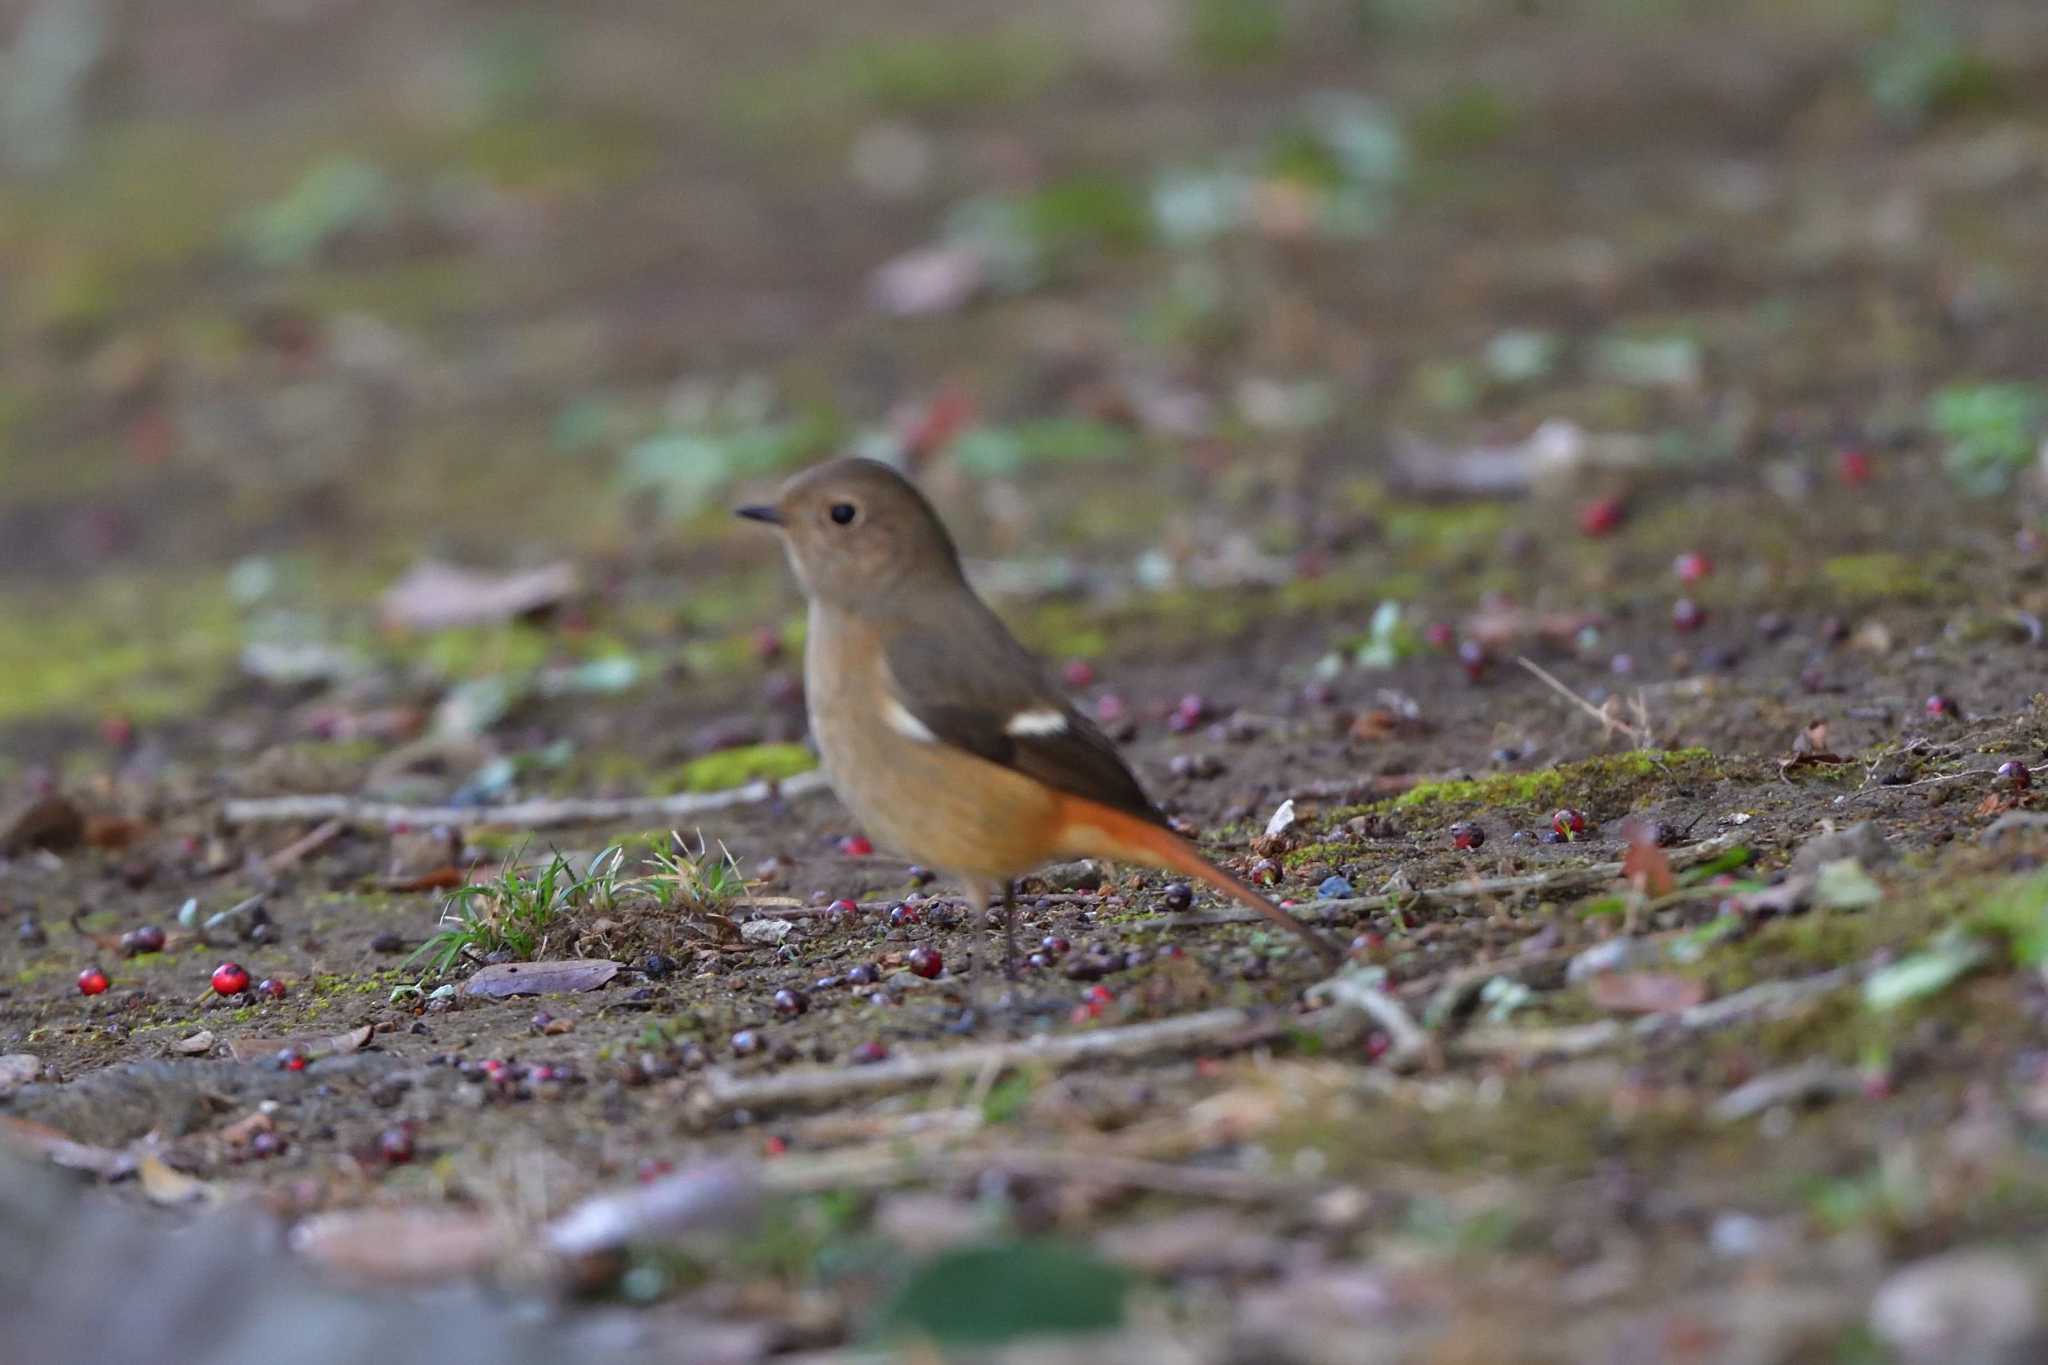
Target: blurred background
1255, 312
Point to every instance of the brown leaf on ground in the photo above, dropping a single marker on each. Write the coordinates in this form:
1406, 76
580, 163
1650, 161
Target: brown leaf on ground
1645, 865
52, 822
1645, 992
317, 1045
540, 978
433, 595
445, 878
112, 832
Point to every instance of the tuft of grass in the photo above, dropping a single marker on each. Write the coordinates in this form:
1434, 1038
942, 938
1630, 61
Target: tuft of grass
516, 911
694, 879
1989, 432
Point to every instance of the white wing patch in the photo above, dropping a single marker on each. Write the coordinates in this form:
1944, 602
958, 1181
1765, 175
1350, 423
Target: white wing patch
903, 723
1027, 723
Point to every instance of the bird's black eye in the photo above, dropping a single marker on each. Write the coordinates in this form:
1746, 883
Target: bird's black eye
844, 513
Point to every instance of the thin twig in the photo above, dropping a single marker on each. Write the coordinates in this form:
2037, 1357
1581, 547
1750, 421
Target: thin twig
1769, 997
538, 814
888, 1164
302, 847
721, 1091
1564, 879
1609, 723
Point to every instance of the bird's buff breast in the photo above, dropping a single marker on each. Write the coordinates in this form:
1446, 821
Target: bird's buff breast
929, 802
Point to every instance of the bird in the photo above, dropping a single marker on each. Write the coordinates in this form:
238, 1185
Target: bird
942, 734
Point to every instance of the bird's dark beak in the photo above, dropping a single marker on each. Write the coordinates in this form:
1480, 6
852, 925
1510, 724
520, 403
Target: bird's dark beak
767, 514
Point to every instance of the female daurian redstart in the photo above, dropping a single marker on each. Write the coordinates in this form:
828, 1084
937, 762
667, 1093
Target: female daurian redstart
942, 734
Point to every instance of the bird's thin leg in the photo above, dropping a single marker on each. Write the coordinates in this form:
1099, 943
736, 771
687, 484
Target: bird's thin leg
970, 1013
1009, 929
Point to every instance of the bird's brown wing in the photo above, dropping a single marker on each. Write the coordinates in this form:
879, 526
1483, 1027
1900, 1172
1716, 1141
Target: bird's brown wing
969, 686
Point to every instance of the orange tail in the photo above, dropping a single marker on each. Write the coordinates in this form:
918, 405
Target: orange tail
1089, 827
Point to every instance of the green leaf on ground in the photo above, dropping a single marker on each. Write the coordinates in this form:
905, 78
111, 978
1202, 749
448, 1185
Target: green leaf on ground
1002, 1291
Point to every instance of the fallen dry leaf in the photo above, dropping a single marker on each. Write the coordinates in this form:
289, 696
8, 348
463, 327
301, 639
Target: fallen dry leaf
52, 822
540, 978
41, 1140
320, 1045
433, 595
18, 1069
112, 832
1645, 992
444, 878
166, 1186
1646, 867
401, 1246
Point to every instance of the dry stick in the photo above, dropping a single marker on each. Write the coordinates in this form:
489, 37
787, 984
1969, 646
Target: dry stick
1565, 879
722, 1091
1769, 997
888, 1164
295, 851
539, 814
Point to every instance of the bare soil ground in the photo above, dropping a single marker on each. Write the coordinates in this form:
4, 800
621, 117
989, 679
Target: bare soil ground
1750, 1068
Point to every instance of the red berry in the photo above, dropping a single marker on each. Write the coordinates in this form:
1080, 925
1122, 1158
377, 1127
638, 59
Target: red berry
1692, 566
867, 1054
270, 986
2015, 775
652, 1169
1687, 615
774, 1145
1854, 467
1078, 673
291, 1059
789, 1003
767, 644
856, 846
395, 1145
844, 908
1601, 515
1101, 995
1265, 872
117, 730
230, 978
1940, 706
1376, 1045
905, 914
1110, 708
1568, 823
1466, 834
91, 981
1056, 945
1439, 635
1472, 658
746, 1043
925, 961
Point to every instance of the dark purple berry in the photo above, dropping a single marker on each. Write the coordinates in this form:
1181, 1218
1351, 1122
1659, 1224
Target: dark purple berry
925, 961
790, 1003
